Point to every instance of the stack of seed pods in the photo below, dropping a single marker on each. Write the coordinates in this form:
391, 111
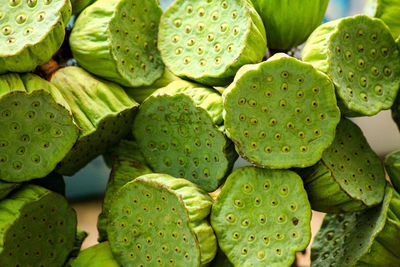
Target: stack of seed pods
215, 82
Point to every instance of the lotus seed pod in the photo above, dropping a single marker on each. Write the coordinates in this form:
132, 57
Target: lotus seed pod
31, 32
289, 23
177, 131
79, 5
208, 41
119, 45
53, 182
37, 127
368, 238
99, 255
350, 176
262, 217
128, 164
386, 10
161, 220
102, 110
37, 228
395, 111
79, 239
281, 113
359, 54
6, 188
392, 165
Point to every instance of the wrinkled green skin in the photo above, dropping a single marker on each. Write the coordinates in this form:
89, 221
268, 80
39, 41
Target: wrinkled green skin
102, 110
116, 40
6, 188
288, 23
99, 255
32, 40
369, 238
237, 38
360, 55
38, 129
37, 227
386, 10
262, 217
79, 5
167, 219
350, 176
392, 166
281, 113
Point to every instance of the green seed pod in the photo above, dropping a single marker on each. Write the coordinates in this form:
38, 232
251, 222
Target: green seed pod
369, 238
31, 32
99, 255
117, 40
289, 23
392, 165
128, 164
37, 228
208, 41
102, 110
395, 111
79, 239
350, 176
177, 131
7, 188
359, 54
386, 10
79, 5
37, 127
281, 113
160, 220
262, 217
53, 182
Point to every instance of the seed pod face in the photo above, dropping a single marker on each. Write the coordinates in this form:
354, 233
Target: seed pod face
368, 238
176, 130
360, 56
38, 228
262, 217
289, 23
31, 32
102, 110
158, 219
99, 255
38, 129
392, 166
121, 44
386, 10
281, 113
208, 41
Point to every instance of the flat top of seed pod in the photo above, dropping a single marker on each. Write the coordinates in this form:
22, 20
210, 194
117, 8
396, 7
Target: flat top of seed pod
150, 223
99, 255
26, 22
281, 113
203, 36
262, 217
344, 238
176, 129
354, 165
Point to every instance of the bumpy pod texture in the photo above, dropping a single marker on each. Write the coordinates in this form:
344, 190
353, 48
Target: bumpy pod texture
37, 228
281, 113
392, 165
37, 127
79, 5
160, 220
208, 41
288, 23
31, 32
102, 110
117, 40
386, 10
369, 238
99, 255
128, 164
177, 131
262, 217
360, 55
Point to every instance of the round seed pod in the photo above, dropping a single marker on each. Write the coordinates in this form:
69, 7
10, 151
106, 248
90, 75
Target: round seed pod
160, 220
368, 238
359, 54
38, 228
79, 5
31, 32
350, 176
262, 217
208, 41
386, 10
102, 110
119, 45
37, 127
281, 113
392, 166
177, 131
99, 255
289, 23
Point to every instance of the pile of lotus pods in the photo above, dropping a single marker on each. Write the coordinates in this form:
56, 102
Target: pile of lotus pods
215, 82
